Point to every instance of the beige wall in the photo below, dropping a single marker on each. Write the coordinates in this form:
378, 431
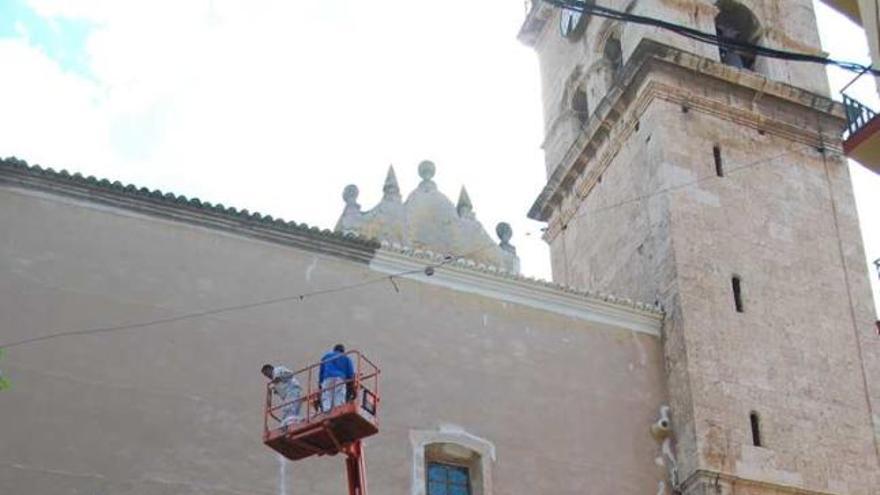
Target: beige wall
176, 408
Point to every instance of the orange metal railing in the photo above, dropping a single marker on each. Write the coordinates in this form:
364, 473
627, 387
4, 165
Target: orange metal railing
363, 387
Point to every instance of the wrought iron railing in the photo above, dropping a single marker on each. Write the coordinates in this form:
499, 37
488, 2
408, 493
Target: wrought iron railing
857, 115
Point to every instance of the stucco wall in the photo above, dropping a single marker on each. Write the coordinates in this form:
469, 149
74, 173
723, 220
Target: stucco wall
176, 408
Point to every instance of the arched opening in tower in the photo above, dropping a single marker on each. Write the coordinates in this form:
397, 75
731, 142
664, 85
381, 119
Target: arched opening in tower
613, 55
735, 22
580, 105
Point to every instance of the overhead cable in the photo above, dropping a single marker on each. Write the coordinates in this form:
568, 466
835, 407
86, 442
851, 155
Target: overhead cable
710, 38
428, 270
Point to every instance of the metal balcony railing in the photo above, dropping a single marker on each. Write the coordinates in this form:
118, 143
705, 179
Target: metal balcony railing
857, 115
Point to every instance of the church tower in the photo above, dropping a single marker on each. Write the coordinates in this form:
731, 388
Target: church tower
712, 182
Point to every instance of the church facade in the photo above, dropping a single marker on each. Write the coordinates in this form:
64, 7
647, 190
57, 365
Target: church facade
709, 329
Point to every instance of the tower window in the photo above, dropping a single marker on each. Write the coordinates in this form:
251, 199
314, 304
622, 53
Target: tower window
737, 294
613, 55
719, 165
738, 24
756, 428
448, 479
580, 105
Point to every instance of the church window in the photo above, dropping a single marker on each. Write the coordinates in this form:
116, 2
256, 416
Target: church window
737, 294
738, 24
448, 479
719, 165
756, 428
451, 461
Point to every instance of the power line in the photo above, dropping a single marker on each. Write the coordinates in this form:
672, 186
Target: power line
702, 36
427, 270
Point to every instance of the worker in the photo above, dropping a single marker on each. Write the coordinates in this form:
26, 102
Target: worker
335, 378
285, 385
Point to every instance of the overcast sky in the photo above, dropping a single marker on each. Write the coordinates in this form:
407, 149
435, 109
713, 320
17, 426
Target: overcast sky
276, 105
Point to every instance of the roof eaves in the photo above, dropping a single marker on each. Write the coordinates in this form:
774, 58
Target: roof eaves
14, 170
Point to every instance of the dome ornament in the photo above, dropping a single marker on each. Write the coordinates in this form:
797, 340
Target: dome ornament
350, 196
427, 170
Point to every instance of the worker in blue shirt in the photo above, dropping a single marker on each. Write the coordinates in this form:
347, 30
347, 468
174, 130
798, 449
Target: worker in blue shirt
334, 377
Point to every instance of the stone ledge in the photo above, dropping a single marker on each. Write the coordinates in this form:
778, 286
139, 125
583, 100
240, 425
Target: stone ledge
488, 281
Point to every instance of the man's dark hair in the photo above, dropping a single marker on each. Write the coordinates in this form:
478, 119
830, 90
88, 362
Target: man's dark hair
267, 369
339, 348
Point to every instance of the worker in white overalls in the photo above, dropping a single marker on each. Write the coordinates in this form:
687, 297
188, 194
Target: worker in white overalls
288, 390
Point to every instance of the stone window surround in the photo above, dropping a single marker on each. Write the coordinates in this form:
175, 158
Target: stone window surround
451, 434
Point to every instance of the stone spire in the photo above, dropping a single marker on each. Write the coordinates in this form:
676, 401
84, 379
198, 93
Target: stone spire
428, 220
391, 191
465, 209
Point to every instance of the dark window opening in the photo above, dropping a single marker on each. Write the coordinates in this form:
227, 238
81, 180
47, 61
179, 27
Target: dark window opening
580, 105
737, 294
756, 429
613, 54
719, 165
736, 23
448, 479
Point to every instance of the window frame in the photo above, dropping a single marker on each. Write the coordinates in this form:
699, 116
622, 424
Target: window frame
448, 483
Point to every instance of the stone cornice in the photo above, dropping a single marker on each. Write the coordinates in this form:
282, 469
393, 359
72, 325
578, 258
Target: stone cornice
648, 56
17, 173
488, 281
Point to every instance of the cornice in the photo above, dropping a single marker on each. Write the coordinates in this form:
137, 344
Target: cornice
489, 281
18, 174
613, 108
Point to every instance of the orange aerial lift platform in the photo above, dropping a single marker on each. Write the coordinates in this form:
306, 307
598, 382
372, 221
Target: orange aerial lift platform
339, 430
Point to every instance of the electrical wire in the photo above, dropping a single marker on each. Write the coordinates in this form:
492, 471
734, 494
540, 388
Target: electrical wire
710, 38
427, 270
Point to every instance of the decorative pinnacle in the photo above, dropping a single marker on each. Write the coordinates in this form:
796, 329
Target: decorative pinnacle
505, 232
427, 170
465, 208
350, 196
391, 190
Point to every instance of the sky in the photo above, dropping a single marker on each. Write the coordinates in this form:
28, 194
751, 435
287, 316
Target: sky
276, 105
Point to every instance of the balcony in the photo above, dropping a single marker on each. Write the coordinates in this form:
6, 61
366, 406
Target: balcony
861, 142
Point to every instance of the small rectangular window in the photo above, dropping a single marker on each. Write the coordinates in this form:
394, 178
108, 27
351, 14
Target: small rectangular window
719, 166
448, 479
737, 294
756, 429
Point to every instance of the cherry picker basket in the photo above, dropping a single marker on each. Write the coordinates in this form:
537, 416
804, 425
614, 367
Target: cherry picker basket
314, 431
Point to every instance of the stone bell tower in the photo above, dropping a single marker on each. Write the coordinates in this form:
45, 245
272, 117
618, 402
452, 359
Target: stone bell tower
712, 182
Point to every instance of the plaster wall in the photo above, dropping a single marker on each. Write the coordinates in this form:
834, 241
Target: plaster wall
177, 408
